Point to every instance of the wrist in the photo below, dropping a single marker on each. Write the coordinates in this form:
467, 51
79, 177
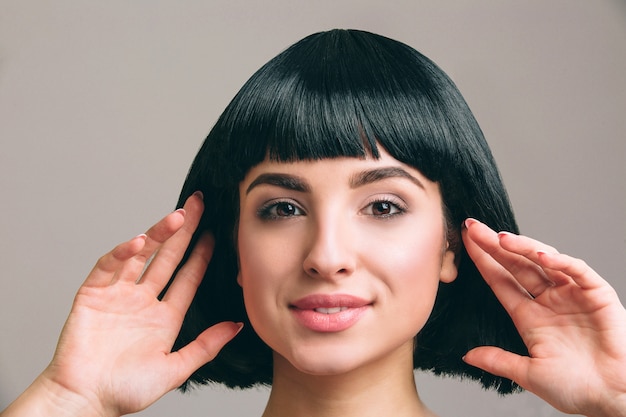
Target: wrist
45, 397
615, 406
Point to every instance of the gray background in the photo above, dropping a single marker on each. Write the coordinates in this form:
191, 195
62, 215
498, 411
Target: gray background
104, 104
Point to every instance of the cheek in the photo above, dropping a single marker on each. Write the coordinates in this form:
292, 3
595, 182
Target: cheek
411, 252
415, 278
413, 291
252, 278
411, 269
258, 253
265, 263
257, 265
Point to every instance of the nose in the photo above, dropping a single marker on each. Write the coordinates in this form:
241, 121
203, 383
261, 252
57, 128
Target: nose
331, 252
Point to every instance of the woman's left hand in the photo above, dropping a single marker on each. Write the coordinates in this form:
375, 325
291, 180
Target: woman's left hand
570, 319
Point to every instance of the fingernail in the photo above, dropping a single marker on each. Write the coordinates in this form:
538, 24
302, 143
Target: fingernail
181, 211
505, 233
468, 222
199, 194
141, 236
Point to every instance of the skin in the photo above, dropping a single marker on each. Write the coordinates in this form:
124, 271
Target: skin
371, 228
573, 324
117, 318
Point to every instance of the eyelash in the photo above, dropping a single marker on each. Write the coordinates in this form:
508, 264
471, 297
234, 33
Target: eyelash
269, 210
394, 203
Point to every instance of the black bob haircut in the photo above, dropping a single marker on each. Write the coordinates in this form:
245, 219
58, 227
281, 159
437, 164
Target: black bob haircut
344, 93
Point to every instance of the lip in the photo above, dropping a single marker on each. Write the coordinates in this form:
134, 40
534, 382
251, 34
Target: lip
338, 311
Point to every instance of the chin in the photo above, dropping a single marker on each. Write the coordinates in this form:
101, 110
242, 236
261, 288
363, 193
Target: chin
324, 366
341, 359
321, 360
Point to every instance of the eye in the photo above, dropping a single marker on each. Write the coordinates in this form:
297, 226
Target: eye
278, 210
384, 208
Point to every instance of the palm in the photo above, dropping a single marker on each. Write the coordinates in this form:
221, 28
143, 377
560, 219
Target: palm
571, 340
116, 345
570, 319
136, 331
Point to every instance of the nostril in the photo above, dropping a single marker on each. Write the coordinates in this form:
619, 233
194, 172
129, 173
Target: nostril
329, 262
314, 272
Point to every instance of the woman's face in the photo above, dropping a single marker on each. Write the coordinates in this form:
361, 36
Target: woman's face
340, 259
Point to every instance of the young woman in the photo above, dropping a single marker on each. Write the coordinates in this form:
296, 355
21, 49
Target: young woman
340, 217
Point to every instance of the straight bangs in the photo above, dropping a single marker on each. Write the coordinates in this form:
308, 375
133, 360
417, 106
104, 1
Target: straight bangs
344, 93
341, 94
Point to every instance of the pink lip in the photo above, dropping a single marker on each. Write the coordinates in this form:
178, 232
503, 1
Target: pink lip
352, 308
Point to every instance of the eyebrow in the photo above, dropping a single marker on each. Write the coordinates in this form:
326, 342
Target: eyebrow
295, 183
290, 182
372, 175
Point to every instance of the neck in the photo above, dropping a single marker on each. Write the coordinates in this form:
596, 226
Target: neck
386, 387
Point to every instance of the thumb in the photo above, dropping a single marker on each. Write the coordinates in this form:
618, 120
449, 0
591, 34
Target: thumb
206, 346
500, 362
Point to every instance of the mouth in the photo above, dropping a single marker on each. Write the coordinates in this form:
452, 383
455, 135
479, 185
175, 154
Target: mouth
331, 310
329, 303
328, 313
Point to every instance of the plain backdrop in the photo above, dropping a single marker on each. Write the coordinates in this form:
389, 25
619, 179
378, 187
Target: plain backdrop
104, 104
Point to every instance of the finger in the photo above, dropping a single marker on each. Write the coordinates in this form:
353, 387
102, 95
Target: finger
155, 236
506, 288
524, 245
530, 275
183, 288
173, 249
557, 277
104, 270
500, 362
204, 349
530, 248
577, 269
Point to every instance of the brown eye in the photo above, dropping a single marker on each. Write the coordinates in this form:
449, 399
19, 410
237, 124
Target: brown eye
279, 210
285, 209
382, 208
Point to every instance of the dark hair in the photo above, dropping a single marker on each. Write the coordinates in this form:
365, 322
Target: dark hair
345, 93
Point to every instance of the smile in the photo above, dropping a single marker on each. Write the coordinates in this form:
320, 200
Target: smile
332, 310
329, 313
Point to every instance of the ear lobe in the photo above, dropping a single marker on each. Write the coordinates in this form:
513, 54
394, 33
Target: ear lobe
239, 278
449, 268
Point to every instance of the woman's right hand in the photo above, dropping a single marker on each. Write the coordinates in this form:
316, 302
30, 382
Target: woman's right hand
114, 354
